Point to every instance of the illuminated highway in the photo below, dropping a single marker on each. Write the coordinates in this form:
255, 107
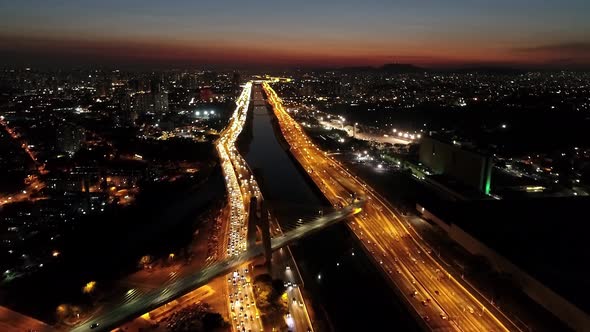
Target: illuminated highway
131, 307
240, 186
442, 301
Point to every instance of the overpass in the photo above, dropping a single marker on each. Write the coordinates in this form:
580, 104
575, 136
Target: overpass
135, 307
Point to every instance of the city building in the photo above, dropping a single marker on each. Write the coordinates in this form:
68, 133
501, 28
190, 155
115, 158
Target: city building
452, 159
70, 138
151, 102
160, 104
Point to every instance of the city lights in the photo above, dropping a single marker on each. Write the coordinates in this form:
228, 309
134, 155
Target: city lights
370, 222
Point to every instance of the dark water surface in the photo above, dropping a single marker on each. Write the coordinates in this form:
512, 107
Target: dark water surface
350, 291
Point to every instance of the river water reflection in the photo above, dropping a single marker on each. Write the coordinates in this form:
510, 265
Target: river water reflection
345, 286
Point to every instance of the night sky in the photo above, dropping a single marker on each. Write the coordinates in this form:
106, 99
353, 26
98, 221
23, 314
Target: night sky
434, 33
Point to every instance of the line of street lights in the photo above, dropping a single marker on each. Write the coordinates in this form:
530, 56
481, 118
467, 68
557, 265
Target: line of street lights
240, 186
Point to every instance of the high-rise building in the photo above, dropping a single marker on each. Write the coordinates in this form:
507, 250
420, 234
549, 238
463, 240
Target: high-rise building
139, 85
306, 90
70, 138
125, 116
209, 77
189, 80
155, 86
103, 89
142, 102
334, 88
160, 102
151, 102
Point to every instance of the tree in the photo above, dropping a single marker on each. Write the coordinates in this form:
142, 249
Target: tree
263, 278
89, 287
62, 311
278, 287
263, 293
212, 320
272, 300
145, 261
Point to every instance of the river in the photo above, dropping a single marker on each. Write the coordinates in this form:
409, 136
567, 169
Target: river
347, 291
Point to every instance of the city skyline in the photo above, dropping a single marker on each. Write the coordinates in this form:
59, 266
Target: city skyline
228, 33
148, 176
301, 166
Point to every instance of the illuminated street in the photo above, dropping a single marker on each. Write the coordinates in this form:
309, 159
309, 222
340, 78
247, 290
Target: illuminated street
294, 166
243, 312
438, 297
33, 184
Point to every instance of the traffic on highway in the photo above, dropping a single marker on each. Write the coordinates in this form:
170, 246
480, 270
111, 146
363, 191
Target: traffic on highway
442, 301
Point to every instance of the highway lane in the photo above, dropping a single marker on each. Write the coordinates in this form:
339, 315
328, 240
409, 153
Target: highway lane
244, 314
415, 263
448, 304
405, 280
286, 269
240, 186
297, 318
409, 263
417, 257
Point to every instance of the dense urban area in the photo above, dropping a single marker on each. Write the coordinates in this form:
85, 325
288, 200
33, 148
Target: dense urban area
157, 200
